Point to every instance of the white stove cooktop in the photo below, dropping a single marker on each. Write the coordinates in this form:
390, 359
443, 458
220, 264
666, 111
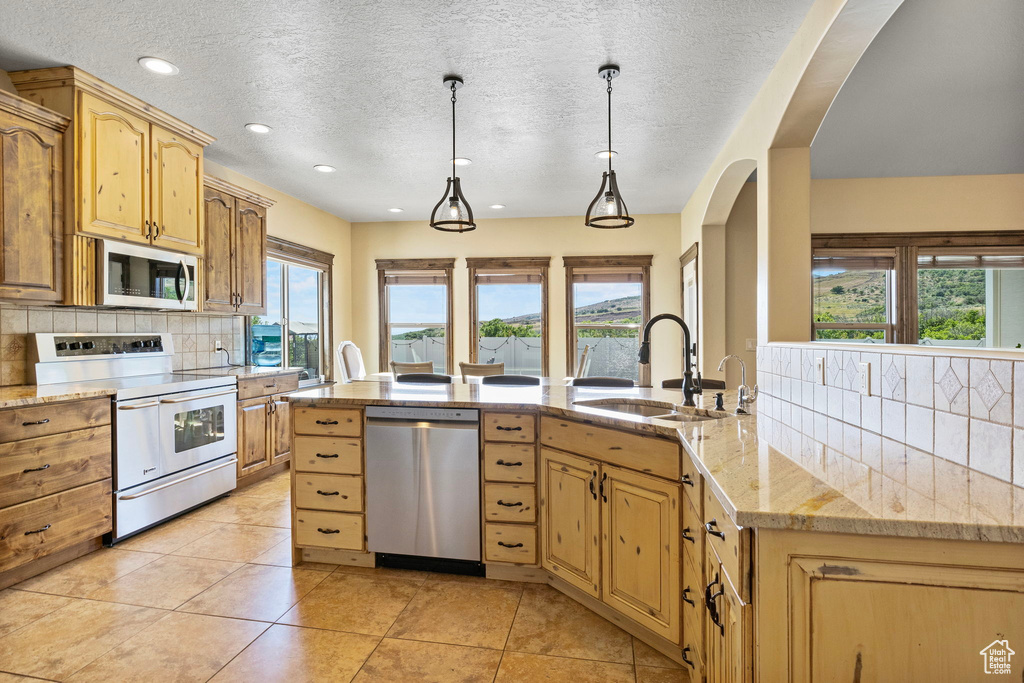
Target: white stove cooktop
141, 386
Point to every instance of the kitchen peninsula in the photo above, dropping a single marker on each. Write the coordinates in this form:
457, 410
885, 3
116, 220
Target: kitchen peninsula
710, 536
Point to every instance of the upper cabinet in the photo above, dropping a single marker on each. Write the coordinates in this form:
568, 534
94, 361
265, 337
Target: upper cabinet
132, 172
31, 187
236, 249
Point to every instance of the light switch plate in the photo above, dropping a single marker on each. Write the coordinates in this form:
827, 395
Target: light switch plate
751, 345
864, 375
819, 370
217, 345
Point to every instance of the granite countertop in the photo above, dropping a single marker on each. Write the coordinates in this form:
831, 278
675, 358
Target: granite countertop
245, 371
30, 395
766, 473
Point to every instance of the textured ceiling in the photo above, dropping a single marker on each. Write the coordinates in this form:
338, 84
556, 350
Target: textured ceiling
357, 85
940, 91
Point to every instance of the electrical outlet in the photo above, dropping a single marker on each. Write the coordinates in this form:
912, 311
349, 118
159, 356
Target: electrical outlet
751, 345
819, 370
217, 346
864, 375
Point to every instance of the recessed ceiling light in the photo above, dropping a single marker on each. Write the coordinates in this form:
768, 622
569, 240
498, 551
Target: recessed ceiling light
158, 66
462, 161
605, 153
324, 168
396, 210
261, 128
497, 206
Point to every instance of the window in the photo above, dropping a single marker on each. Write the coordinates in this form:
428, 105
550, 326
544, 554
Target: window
509, 313
689, 270
609, 301
415, 311
298, 300
941, 289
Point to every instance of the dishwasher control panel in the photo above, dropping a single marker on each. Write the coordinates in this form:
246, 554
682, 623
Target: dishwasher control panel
432, 414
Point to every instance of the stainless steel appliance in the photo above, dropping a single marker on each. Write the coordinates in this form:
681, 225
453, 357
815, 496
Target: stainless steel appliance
174, 433
139, 276
423, 482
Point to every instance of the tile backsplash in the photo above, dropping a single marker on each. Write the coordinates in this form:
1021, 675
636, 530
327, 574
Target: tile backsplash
963, 409
194, 334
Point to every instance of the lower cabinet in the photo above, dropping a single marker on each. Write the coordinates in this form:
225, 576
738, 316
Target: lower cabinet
264, 430
728, 628
614, 534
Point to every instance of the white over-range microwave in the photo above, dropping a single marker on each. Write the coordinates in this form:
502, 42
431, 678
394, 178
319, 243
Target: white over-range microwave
145, 277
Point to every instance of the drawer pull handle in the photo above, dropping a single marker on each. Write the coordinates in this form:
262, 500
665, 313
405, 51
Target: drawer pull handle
509, 429
509, 505
37, 422
510, 545
328, 493
327, 455
687, 480
328, 531
509, 464
37, 469
270, 386
709, 526
686, 599
327, 422
38, 531
685, 658
688, 536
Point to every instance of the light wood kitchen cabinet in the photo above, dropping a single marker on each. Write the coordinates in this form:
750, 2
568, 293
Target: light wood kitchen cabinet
728, 627
570, 519
280, 430
31, 200
640, 560
236, 249
131, 172
253, 435
264, 424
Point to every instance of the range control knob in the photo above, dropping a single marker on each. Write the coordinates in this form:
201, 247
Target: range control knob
62, 346
149, 343
88, 345
114, 348
74, 346
137, 344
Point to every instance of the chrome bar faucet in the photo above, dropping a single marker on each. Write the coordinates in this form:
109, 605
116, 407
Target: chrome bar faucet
690, 387
746, 396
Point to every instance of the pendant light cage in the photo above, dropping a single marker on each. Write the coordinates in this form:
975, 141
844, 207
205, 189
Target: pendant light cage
608, 210
456, 214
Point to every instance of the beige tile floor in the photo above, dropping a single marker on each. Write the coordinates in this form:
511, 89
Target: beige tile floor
213, 596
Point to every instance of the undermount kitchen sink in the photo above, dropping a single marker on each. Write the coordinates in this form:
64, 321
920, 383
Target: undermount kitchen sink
653, 410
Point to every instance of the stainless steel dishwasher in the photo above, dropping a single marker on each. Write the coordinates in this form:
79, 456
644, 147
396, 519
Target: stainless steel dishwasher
423, 482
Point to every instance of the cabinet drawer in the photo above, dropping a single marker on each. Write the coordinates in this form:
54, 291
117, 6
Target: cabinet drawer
255, 387
655, 456
510, 503
328, 421
45, 525
516, 543
693, 534
693, 614
510, 462
32, 468
693, 483
53, 418
511, 427
328, 529
327, 454
328, 492
731, 543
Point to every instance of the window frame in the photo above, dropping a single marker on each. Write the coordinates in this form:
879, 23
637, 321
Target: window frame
907, 247
573, 265
384, 266
691, 318
291, 253
532, 265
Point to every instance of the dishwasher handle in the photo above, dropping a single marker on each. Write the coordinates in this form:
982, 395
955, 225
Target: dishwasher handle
420, 424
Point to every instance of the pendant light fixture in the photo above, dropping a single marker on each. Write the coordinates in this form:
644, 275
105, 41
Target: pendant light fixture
608, 210
453, 213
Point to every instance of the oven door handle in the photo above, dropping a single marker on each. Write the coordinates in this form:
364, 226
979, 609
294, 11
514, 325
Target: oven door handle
137, 406
185, 399
161, 487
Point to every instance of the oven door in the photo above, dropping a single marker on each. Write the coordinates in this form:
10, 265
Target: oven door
196, 427
137, 431
138, 276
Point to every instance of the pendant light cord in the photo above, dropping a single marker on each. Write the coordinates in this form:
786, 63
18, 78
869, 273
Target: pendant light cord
453, 129
609, 77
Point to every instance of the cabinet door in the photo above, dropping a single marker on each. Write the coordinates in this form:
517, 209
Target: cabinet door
251, 258
569, 518
219, 266
30, 209
177, 192
640, 558
253, 444
113, 150
728, 629
280, 431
